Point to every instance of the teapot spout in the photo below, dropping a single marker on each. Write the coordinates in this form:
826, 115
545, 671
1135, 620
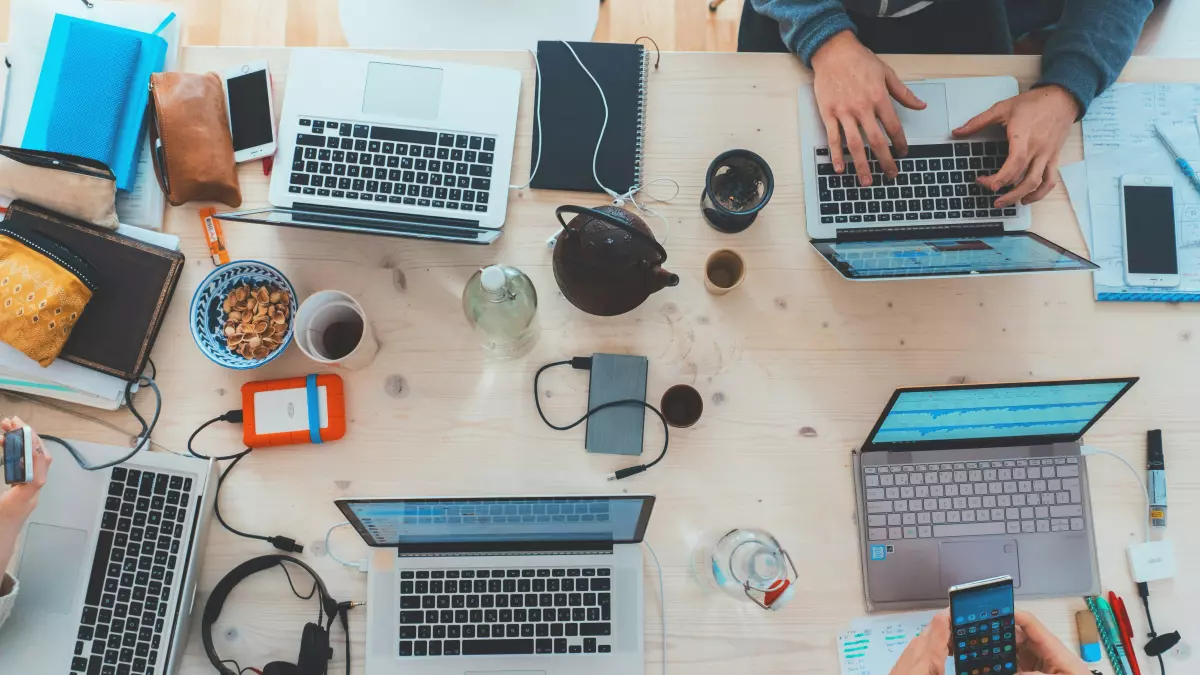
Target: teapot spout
664, 279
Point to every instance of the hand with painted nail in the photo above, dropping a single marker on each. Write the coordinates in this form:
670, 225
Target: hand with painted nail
854, 90
1037, 123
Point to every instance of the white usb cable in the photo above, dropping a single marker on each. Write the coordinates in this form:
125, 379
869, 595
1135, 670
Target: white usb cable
1089, 450
361, 565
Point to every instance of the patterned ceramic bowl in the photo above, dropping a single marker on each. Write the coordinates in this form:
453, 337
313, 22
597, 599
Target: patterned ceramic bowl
208, 315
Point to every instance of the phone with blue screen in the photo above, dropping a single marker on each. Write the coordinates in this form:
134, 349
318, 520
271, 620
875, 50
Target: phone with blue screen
983, 627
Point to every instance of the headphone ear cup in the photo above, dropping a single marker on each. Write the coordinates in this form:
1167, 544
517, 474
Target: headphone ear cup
280, 668
315, 652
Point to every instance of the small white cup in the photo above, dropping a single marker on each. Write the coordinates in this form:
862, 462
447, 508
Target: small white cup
320, 311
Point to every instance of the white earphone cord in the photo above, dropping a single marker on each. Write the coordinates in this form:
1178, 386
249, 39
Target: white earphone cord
1092, 450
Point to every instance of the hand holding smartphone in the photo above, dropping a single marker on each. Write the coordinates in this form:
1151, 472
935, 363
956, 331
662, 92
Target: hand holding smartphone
1149, 231
18, 456
983, 628
251, 110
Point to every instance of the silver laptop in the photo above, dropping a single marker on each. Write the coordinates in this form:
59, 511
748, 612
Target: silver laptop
965, 482
384, 146
547, 585
108, 565
933, 219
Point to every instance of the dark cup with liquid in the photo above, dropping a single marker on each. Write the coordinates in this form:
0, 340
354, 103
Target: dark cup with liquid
682, 406
331, 328
737, 186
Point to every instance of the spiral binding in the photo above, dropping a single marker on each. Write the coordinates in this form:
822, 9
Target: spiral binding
641, 120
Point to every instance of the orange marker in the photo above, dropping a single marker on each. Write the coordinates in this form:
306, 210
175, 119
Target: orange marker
213, 236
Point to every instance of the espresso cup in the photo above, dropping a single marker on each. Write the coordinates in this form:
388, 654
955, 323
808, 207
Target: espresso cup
723, 271
682, 406
332, 329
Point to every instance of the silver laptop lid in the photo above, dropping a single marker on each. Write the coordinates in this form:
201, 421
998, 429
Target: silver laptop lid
499, 524
945, 253
317, 217
955, 417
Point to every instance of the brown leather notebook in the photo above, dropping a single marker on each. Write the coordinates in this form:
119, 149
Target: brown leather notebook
135, 282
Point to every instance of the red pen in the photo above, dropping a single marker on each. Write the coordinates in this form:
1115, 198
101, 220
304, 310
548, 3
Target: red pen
1126, 629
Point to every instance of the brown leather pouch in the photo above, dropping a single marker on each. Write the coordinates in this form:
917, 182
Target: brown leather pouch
192, 147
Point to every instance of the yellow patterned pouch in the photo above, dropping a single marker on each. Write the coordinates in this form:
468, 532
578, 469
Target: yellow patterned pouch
44, 288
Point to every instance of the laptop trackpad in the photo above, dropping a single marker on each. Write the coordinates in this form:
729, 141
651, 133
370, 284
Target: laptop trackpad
965, 561
50, 564
398, 90
934, 120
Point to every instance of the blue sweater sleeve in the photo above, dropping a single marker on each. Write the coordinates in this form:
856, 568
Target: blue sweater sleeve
805, 25
1091, 44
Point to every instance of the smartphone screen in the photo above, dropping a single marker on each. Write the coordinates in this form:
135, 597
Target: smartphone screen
984, 636
15, 469
1150, 230
249, 110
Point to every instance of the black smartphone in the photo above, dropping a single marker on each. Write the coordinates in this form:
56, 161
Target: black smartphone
18, 456
984, 627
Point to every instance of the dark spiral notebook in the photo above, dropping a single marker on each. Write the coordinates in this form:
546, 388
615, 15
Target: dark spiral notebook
572, 113
135, 283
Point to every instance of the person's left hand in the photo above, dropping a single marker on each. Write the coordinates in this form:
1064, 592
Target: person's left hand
1037, 123
19, 500
927, 653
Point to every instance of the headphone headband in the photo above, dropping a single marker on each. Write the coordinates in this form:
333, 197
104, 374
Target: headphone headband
220, 593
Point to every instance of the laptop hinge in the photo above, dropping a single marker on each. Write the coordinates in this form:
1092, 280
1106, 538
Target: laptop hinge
923, 232
351, 216
547, 548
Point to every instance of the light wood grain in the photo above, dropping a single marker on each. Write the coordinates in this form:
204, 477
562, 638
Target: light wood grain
681, 25
794, 347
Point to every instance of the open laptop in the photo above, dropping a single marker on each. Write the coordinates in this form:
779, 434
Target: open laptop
964, 482
933, 219
108, 564
384, 146
546, 585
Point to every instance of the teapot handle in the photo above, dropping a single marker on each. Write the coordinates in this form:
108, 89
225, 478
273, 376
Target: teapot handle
611, 220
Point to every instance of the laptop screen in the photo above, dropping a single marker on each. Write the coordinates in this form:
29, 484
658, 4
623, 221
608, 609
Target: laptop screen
993, 415
1007, 253
461, 524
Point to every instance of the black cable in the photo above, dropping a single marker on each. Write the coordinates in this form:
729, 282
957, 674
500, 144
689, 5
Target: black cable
585, 363
143, 435
233, 416
293, 585
1157, 644
282, 543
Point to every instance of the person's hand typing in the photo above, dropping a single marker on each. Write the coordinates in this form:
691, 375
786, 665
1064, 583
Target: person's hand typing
1037, 123
854, 89
19, 500
927, 653
1040, 652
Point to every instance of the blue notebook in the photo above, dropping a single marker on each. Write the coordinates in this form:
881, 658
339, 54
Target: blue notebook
92, 93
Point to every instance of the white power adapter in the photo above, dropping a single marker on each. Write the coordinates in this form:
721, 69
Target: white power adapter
1152, 560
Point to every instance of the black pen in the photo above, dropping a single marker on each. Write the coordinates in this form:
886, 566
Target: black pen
1156, 473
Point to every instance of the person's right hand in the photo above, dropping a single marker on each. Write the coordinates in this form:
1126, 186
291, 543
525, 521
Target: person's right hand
19, 501
855, 89
1040, 651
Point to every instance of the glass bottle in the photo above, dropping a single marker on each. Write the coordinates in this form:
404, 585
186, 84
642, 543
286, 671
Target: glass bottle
501, 303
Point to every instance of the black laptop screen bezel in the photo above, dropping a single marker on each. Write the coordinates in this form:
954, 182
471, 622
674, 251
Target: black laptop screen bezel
822, 248
505, 546
997, 442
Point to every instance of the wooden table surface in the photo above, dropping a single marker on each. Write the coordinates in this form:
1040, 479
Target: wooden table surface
794, 366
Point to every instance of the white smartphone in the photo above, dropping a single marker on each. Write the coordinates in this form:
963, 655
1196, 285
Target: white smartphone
1148, 230
251, 109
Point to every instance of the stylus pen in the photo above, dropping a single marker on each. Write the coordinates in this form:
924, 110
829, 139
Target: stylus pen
1179, 160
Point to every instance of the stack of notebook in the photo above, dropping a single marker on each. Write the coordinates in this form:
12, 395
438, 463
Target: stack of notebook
136, 272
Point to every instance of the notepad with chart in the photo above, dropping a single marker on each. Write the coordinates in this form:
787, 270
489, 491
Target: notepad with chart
572, 116
873, 644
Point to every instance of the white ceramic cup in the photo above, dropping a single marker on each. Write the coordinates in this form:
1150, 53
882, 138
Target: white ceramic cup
723, 271
321, 310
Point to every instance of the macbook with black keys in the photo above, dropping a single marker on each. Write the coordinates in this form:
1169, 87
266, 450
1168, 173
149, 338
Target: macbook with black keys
108, 564
377, 145
933, 219
547, 585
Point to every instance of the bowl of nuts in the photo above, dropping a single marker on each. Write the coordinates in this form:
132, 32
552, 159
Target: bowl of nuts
242, 314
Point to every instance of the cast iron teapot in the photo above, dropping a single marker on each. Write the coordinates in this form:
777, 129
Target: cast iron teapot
607, 261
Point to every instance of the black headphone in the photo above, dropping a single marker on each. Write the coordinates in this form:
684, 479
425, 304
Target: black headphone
315, 651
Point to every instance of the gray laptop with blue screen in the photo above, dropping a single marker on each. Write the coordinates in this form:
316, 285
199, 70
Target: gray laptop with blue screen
964, 482
504, 584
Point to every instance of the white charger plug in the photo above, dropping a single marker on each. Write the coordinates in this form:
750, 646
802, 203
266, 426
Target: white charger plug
1152, 560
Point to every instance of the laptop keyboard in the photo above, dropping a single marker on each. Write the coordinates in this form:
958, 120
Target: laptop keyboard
1023, 496
505, 612
394, 165
137, 555
936, 182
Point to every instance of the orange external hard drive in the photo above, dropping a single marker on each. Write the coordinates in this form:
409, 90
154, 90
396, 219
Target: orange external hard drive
295, 410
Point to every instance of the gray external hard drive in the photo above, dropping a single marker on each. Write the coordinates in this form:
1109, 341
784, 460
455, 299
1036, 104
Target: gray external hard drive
617, 430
